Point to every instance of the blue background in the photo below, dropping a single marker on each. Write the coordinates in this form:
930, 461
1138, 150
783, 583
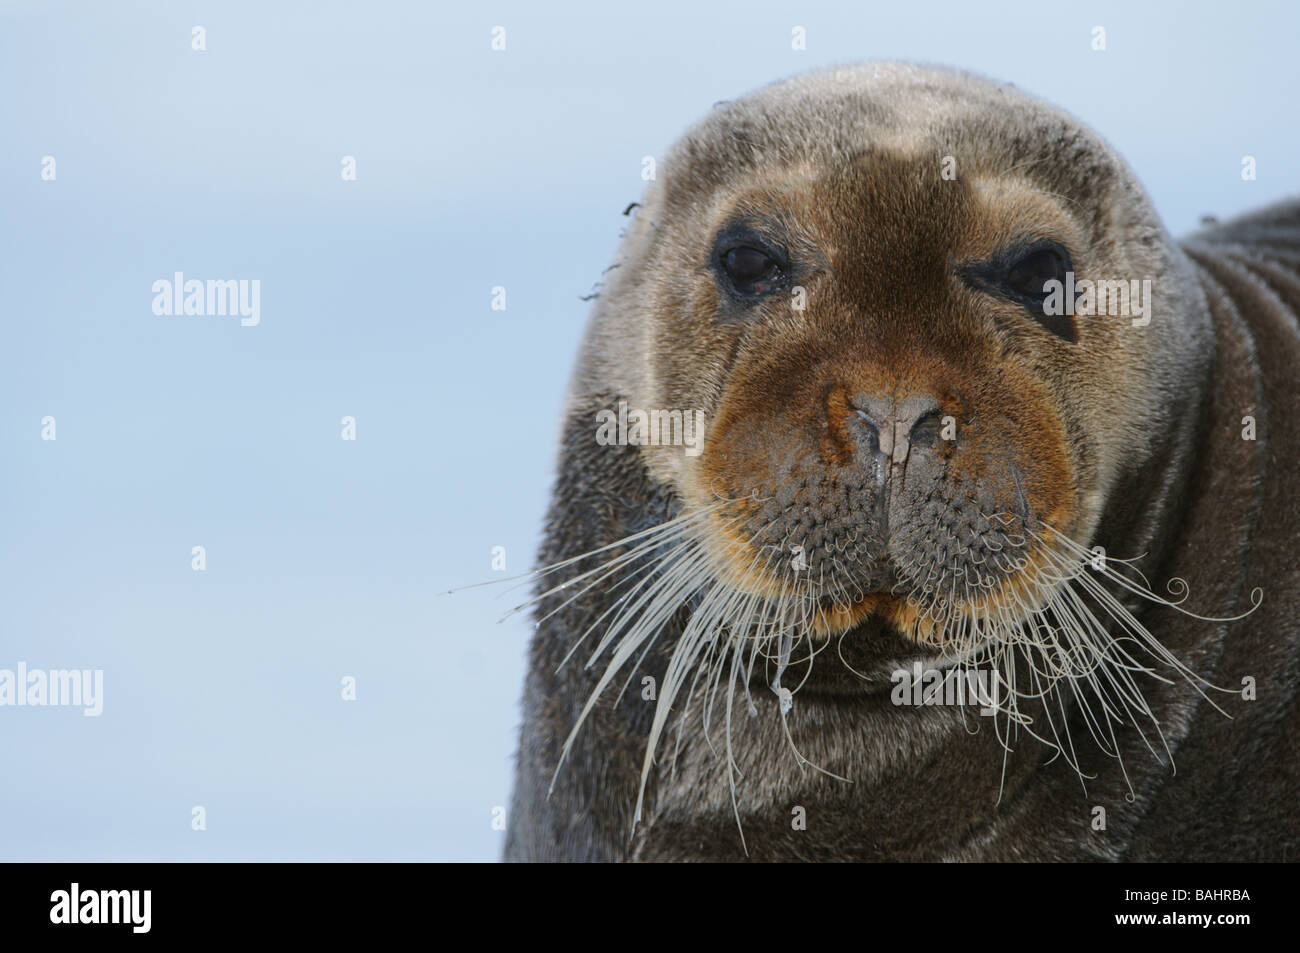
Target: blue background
328, 558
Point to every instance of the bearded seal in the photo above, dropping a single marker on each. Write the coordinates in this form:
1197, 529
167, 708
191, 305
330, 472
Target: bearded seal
920, 458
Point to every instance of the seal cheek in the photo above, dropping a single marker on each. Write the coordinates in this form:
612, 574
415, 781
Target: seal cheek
1038, 467
838, 444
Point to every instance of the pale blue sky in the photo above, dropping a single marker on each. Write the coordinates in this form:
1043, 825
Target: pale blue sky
327, 558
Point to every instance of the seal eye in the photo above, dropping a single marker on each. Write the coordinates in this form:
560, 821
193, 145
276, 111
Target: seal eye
1027, 276
750, 270
1022, 274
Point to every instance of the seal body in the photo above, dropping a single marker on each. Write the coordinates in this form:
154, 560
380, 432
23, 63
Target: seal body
916, 444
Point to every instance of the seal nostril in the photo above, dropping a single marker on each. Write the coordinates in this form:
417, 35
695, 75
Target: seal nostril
872, 434
913, 421
927, 429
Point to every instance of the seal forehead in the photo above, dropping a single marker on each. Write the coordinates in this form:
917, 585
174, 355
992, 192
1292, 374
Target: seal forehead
826, 119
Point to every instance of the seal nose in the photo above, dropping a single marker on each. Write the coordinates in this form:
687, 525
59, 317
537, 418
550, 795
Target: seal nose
896, 426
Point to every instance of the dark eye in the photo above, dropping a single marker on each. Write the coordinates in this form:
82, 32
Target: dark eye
750, 270
1023, 274
1027, 276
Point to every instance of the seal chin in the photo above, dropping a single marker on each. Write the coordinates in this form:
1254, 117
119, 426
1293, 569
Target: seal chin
860, 662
